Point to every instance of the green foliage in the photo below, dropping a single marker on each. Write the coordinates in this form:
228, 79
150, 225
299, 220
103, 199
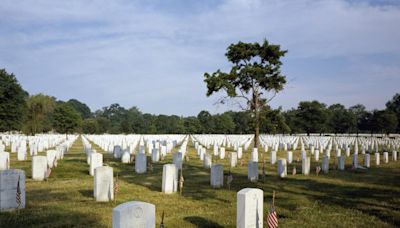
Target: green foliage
80, 107
273, 121
394, 106
66, 119
12, 102
312, 116
341, 120
384, 121
206, 122
225, 124
39, 113
90, 126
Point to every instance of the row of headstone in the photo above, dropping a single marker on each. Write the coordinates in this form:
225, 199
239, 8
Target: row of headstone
249, 211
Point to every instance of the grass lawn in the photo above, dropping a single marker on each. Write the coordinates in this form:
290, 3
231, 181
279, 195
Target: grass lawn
361, 198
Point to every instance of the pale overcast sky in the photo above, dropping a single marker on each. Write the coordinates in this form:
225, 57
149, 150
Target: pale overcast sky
153, 54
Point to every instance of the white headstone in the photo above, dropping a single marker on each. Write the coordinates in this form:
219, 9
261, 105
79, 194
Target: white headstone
273, 157
222, 153
305, 166
289, 157
233, 159
240, 152
134, 214
394, 155
96, 160
4, 160
169, 178
386, 157
367, 160
207, 161
249, 211
377, 159
126, 157
39, 167
316, 155
103, 184
21, 153
254, 155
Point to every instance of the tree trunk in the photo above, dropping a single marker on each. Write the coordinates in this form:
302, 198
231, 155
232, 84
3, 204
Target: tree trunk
257, 119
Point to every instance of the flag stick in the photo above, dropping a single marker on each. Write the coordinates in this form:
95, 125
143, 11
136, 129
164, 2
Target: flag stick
273, 198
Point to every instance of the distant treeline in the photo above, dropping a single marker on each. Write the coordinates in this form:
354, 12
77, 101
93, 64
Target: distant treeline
41, 113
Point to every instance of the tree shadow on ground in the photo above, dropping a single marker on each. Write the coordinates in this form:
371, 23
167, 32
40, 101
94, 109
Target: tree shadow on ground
202, 222
371, 201
39, 215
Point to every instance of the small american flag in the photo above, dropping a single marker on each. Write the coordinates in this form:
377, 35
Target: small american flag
272, 218
18, 194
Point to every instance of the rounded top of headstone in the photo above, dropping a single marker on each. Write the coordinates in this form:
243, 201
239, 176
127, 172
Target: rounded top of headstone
249, 190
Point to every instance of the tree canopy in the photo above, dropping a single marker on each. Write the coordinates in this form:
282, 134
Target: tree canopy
12, 102
254, 73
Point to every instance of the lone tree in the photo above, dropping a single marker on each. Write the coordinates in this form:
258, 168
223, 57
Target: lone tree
254, 78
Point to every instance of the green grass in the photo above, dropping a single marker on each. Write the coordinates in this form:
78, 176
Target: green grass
362, 198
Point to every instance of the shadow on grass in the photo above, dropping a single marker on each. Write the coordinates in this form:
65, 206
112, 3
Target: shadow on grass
202, 222
372, 201
48, 216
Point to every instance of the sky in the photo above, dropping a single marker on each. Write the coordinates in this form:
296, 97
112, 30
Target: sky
153, 54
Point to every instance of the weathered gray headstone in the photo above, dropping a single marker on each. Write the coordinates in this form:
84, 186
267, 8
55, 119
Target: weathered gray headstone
341, 162
140, 163
325, 164
217, 176
252, 171
8, 189
282, 168
155, 155
178, 159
